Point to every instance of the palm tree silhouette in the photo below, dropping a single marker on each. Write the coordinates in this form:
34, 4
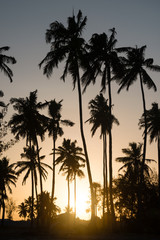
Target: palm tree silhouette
54, 129
133, 161
100, 118
135, 67
153, 129
7, 177
28, 122
132, 168
22, 210
104, 61
67, 43
69, 157
4, 60
30, 165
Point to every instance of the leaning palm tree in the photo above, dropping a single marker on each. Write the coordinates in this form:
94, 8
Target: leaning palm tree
104, 62
100, 118
69, 157
153, 129
4, 60
7, 177
67, 43
28, 122
54, 129
135, 68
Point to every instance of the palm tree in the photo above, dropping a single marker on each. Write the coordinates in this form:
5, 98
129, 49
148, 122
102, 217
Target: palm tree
67, 43
22, 210
135, 67
4, 60
54, 128
7, 177
103, 60
30, 166
100, 118
69, 157
132, 165
153, 128
28, 122
133, 161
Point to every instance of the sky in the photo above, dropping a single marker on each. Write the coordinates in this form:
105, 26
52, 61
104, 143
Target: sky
23, 26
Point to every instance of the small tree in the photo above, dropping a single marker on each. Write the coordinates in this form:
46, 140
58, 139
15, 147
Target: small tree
10, 208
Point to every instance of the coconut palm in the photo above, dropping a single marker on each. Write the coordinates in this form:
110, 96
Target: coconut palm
153, 129
104, 61
54, 129
132, 165
67, 44
133, 161
4, 60
7, 177
135, 68
69, 157
100, 118
22, 210
28, 122
30, 166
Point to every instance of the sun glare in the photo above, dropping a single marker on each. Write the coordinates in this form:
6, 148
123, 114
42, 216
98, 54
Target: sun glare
82, 203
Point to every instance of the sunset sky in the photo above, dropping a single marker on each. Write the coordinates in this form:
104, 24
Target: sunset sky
23, 24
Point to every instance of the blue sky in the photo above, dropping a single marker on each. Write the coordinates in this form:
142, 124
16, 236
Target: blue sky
23, 24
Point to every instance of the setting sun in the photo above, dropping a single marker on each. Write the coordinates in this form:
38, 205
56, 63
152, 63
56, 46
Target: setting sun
82, 202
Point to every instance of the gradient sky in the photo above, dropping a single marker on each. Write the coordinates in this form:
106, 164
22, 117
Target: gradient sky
23, 24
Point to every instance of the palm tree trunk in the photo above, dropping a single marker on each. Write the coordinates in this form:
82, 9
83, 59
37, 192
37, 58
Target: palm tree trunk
39, 163
85, 146
75, 197
32, 182
144, 149
104, 176
3, 213
159, 165
53, 176
3, 209
68, 195
110, 144
145, 129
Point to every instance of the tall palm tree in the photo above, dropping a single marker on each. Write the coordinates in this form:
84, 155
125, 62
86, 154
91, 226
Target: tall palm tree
104, 61
69, 157
100, 118
4, 60
7, 177
30, 165
28, 122
54, 129
135, 68
67, 43
153, 129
